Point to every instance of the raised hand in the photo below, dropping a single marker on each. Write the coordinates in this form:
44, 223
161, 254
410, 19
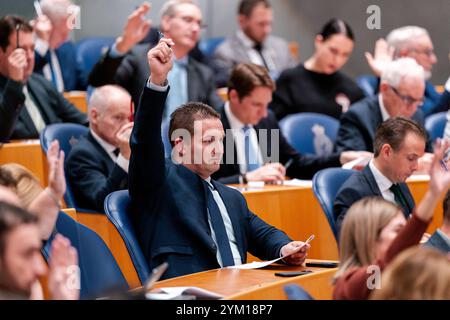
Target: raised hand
382, 56
160, 61
43, 27
64, 273
17, 62
439, 172
123, 140
56, 178
135, 30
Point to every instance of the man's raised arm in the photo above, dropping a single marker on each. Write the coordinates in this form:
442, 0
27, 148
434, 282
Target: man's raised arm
147, 163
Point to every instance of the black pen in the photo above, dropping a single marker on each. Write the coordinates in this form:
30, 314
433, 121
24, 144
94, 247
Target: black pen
17, 35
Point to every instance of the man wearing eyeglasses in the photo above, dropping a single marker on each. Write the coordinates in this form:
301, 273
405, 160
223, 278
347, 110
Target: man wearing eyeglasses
126, 64
402, 89
414, 42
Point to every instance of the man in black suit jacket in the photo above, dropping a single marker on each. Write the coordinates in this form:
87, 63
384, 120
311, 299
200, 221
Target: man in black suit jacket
126, 63
181, 215
28, 102
98, 164
399, 143
440, 239
401, 92
250, 91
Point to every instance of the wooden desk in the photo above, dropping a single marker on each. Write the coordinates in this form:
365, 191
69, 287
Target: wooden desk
27, 153
296, 211
257, 284
78, 99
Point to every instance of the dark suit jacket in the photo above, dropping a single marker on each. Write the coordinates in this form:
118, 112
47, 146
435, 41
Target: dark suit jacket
132, 71
358, 126
360, 185
169, 204
436, 241
302, 167
16, 123
93, 174
73, 76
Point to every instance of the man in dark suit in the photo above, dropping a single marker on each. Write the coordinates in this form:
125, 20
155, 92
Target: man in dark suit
126, 63
28, 102
440, 239
399, 143
249, 125
56, 55
181, 215
98, 164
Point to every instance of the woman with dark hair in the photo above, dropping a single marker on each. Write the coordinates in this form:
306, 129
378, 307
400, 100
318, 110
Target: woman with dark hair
317, 85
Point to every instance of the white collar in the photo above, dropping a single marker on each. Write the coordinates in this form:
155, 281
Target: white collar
384, 114
235, 123
249, 43
382, 182
444, 236
109, 148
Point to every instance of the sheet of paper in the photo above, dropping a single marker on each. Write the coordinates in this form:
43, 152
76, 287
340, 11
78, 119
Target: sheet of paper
298, 183
358, 162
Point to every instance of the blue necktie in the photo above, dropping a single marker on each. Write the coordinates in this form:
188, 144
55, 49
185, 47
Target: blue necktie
219, 228
251, 151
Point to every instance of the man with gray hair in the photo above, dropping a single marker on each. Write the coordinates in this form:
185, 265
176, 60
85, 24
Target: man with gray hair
414, 42
55, 53
401, 92
98, 164
126, 61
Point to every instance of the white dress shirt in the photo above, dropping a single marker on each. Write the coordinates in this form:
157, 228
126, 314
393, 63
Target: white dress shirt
383, 183
253, 54
239, 140
109, 148
42, 47
384, 114
228, 228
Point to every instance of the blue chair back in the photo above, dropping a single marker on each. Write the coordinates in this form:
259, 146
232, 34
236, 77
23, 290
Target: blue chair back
368, 84
208, 46
89, 51
435, 125
67, 134
117, 209
99, 273
310, 133
296, 292
326, 183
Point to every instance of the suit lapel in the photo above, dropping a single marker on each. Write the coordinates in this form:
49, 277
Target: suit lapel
408, 197
228, 136
192, 82
371, 182
38, 93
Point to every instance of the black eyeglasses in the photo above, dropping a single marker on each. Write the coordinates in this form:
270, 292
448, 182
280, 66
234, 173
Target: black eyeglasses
427, 52
408, 100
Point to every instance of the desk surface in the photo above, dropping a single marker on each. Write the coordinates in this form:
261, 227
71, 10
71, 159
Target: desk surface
257, 284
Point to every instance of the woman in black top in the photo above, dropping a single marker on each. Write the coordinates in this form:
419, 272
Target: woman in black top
318, 85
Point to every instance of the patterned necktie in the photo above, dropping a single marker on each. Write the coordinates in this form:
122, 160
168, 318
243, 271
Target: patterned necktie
400, 199
251, 151
219, 228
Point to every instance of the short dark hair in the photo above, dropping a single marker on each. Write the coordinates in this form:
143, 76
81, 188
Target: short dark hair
185, 116
246, 76
393, 132
446, 206
7, 179
246, 6
336, 26
8, 25
10, 218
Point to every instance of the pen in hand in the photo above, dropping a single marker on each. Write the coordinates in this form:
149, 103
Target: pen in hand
17, 35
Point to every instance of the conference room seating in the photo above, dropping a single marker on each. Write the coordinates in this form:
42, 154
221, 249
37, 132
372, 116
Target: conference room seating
326, 184
117, 207
99, 273
310, 133
89, 50
368, 84
67, 134
435, 125
208, 46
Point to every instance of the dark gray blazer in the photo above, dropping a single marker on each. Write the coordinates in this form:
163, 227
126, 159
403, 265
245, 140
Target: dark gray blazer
359, 124
132, 71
